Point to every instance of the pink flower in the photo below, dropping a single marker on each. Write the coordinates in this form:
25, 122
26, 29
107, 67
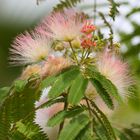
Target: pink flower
116, 71
87, 43
88, 27
29, 48
54, 65
44, 114
64, 26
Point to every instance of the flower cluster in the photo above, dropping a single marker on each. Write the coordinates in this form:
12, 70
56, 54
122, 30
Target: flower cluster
73, 36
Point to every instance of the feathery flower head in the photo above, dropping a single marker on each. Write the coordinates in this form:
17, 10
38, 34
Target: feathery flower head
30, 70
88, 27
44, 114
116, 71
64, 26
54, 65
29, 48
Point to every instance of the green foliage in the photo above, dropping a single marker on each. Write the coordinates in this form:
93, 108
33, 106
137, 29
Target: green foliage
60, 116
4, 123
3, 93
109, 132
106, 84
86, 134
20, 85
47, 82
109, 26
31, 131
65, 4
17, 106
113, 9
64, 80
77, 89
74, 127
102, 92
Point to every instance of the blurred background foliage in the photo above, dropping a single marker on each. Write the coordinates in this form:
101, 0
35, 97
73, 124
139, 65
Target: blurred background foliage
18, 16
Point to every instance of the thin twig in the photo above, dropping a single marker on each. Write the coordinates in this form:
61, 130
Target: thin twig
62, 124
73, 52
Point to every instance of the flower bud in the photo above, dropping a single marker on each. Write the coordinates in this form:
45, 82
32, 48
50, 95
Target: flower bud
76, 44
59, 47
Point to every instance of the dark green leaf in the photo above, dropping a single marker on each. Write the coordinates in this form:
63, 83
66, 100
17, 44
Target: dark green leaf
60, 116
3, 93
66, 4
71, 130
106, 83
103, 121
64, 80
77, 89
113, 9
47, 82
31, 131
20, 85
102, 92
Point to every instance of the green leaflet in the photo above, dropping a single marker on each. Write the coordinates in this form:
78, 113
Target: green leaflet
77, 89
106, 83
47, 82
109, 26
122, 135
60, 116
86, 134
51, 102
103, 121
102, 92
31, 131
113, 9
3, 93
19, 85
99, 130
65, 4
4, 122
63, 81
16, 135
71, 130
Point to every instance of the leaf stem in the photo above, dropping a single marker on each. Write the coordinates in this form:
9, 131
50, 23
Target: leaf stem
65, 108
90, 113
73, 52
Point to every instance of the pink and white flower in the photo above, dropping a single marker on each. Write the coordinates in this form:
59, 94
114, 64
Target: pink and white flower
44, 114
64, 26
29, 48
116, 71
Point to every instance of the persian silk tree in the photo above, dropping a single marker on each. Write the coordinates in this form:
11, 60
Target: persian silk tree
67, 67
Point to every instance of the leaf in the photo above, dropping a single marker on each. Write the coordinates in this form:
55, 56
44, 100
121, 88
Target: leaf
60, 116
20, 85
102, 92
63, 81
3, 93
31, 131
109, 26
121, 135
103, 121
47, 82
65, 4
71, 130
99, 130
77, 89
85, 134
51, 102
4, 123
106, 83
113, 9
16, 135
